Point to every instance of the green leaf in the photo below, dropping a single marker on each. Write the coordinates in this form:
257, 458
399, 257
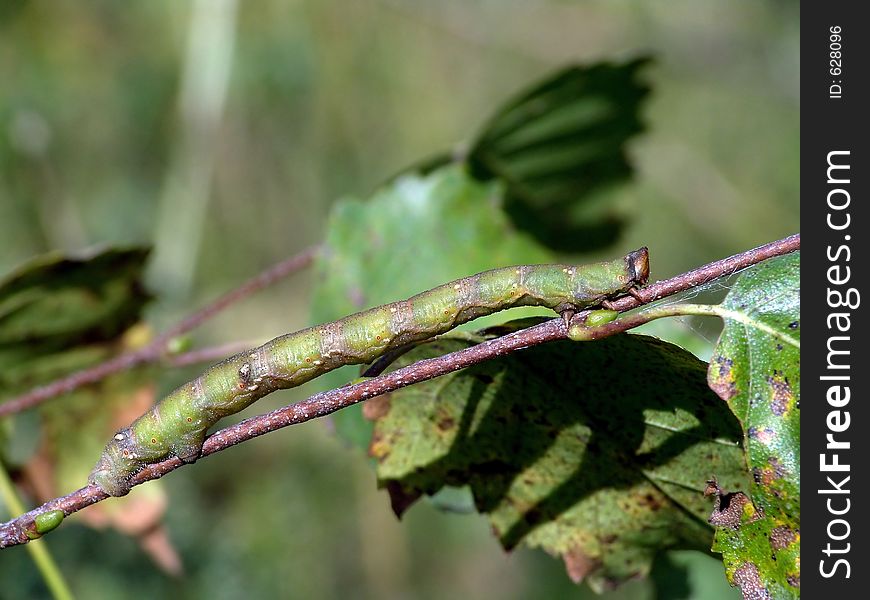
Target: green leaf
561, 144
415, 233
62, 299
756, 369
597, 452
57, 312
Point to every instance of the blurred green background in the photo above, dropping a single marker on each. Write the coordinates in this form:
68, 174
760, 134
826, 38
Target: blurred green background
222, 132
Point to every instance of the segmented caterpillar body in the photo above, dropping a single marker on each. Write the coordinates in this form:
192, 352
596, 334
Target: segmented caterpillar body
177, 425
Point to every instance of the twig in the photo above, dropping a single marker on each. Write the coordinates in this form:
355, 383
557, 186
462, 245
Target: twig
51, 574
324, 403
157, 347
209, 354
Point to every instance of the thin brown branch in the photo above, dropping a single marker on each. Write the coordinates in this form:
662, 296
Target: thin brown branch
319, 405
157, 347
209, 354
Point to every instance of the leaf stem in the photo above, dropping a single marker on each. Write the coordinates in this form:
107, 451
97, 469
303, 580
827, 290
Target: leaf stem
726, 313
581, 332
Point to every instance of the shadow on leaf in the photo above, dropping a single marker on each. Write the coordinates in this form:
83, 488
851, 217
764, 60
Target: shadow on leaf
598, 450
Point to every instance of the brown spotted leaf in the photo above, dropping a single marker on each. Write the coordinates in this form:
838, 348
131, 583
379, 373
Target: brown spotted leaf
596, 452
756, 369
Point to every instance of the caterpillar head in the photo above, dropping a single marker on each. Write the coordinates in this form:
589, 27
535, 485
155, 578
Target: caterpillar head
638, 265
117, 465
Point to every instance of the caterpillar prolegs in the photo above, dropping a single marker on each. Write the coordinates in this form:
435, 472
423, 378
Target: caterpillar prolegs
177, 425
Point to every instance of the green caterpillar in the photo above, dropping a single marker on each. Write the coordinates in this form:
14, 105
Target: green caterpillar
177, 425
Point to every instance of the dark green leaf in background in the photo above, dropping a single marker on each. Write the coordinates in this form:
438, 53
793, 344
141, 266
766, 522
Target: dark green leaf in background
558, 145
60, 314
56, 312
756, 369
597, 452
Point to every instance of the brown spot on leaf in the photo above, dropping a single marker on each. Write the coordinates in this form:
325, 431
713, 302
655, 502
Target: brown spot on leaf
749, 581
729, 508
782, 537
446, 423
650, 501
756, 475
765, 435
579, 564
379, 448
769, 474
777, 466
376, 408
782, 398
712, 488
720, 377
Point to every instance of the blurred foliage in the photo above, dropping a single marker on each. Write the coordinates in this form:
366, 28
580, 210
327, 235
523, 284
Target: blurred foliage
110, 133
59, 314
555, 147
